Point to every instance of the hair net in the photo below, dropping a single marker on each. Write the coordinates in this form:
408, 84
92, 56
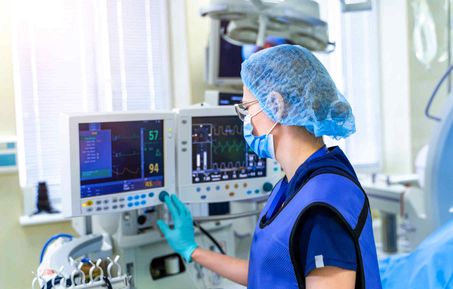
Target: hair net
294, 88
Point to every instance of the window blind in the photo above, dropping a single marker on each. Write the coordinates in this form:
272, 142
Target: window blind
83, 56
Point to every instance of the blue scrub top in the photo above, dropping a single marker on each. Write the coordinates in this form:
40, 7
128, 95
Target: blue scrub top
321, 235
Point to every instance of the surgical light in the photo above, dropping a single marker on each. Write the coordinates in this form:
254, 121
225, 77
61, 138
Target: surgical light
250, 22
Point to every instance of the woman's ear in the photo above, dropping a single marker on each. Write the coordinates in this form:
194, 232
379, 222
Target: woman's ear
277, 105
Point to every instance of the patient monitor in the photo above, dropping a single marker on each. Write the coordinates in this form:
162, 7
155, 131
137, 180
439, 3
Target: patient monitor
114, 162
214, 162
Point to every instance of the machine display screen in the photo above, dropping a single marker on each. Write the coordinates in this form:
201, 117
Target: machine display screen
220, 153
118, 157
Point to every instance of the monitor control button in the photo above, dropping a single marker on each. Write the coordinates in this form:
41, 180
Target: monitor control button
267, 187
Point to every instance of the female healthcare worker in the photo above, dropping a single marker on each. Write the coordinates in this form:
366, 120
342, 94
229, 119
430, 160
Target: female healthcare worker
315, 229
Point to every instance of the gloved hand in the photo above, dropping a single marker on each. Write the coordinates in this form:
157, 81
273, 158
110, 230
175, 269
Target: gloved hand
182, 237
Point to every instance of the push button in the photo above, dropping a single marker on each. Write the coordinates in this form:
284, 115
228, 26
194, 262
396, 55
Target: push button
267, 187
87, 204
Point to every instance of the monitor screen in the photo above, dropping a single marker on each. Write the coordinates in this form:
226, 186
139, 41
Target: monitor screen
220, 153
230, 56
117, 157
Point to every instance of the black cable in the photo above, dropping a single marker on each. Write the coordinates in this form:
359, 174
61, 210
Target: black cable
433, 95
107, 282
207, 234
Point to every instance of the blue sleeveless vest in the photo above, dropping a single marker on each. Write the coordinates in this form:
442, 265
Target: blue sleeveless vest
328, 183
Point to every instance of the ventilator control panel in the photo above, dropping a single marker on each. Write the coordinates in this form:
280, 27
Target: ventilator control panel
215, 163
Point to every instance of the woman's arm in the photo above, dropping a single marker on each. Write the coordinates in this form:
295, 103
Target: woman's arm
331, 277
231, 268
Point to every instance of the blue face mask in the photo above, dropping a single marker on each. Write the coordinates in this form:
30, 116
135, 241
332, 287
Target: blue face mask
263, 145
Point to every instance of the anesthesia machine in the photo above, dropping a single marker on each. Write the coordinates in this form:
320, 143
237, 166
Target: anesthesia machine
121, 165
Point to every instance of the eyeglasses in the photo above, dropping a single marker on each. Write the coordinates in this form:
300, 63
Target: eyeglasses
242, 108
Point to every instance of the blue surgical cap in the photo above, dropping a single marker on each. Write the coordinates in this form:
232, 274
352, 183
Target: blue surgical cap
293, 75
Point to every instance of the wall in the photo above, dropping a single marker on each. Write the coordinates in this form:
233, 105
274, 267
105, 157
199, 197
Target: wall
198, 33
19, 246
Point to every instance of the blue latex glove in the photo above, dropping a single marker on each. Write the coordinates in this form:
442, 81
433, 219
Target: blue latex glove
182, 237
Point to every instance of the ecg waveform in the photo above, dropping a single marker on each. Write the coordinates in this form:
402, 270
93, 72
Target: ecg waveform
228, 165
126, 171
227, 130
123, 155
125, 137
229, 146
